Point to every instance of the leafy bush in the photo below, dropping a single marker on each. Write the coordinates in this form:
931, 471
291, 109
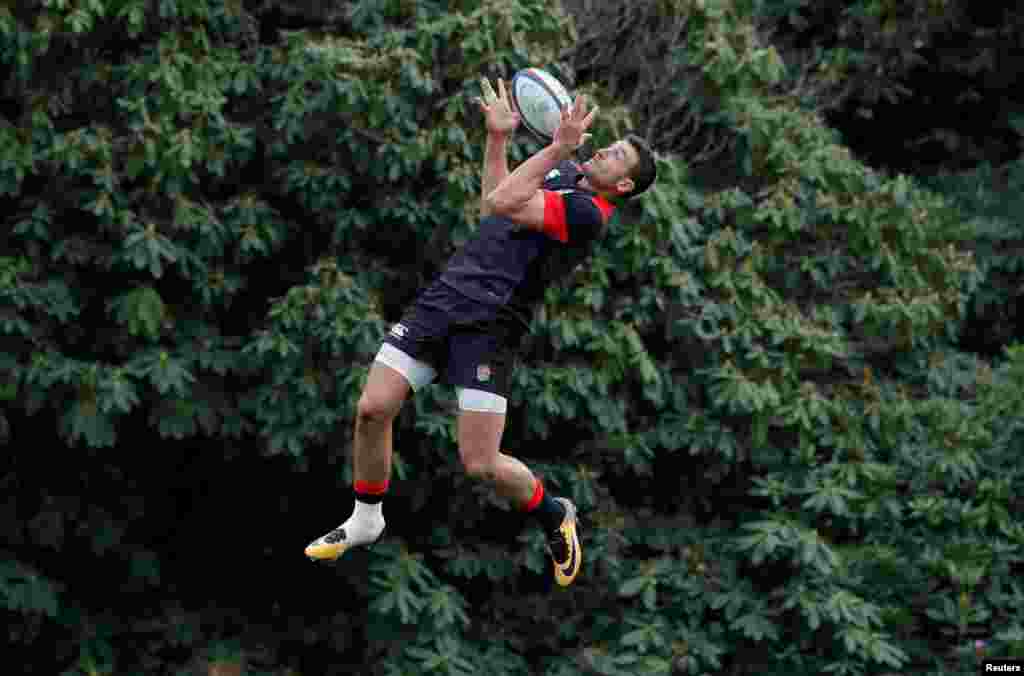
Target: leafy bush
752, 392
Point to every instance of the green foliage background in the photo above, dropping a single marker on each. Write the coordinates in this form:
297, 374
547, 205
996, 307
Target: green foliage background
764, 392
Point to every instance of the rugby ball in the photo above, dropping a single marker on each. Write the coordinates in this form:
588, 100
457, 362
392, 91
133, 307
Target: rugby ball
539, 97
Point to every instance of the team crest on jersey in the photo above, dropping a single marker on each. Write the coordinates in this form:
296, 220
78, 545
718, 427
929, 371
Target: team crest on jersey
399, 330
483, 373
554, 173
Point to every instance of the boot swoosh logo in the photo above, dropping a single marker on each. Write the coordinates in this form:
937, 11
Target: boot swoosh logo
567, 569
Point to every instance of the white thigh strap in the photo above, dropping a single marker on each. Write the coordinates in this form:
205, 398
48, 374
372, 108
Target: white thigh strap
483, 402
417, 372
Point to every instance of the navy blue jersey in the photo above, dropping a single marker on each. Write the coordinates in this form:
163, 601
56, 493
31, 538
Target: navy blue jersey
509, 265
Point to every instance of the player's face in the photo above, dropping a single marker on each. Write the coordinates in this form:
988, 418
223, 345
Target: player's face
609, 168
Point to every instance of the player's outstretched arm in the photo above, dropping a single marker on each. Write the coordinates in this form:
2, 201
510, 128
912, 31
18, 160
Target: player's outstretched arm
522, 185
502, 120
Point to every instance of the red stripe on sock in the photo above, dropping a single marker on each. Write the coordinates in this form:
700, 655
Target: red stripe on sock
372, 487
538, 495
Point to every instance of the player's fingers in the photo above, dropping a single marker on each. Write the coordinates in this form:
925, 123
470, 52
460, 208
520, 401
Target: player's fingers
502, 92
581, 103
489, 95
590, 117
510, 102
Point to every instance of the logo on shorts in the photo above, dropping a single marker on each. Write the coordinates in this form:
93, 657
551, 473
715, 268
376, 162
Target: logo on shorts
399, 330
483, 373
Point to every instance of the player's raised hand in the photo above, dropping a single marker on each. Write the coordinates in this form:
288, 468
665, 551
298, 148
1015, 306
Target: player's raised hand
574, 122
497, 107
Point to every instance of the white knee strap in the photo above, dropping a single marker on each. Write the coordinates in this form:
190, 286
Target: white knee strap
480, 401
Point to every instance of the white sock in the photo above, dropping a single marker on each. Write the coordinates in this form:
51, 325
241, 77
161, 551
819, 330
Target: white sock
365, 524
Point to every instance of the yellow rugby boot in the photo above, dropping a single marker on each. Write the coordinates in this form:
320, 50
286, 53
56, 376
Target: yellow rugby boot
564, 546
331, 546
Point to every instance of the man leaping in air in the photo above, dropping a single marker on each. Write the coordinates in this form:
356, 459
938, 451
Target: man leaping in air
537, 224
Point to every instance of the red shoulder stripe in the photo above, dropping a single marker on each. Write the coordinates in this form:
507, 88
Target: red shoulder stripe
555, 225
605, 206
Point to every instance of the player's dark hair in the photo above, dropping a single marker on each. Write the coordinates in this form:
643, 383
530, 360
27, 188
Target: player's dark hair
645, 171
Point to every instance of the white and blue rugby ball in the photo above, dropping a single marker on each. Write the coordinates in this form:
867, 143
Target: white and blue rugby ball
539, 97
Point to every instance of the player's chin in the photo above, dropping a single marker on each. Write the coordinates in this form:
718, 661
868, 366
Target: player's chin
595, 175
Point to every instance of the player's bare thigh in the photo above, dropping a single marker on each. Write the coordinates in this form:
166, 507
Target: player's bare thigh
479, 437
393, 374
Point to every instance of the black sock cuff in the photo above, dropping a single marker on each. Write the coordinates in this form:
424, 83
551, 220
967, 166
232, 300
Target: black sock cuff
550, 513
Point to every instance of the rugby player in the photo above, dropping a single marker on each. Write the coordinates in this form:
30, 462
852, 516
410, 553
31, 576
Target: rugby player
537, 224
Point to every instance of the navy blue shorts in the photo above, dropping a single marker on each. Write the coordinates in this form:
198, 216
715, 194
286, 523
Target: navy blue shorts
468, 343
